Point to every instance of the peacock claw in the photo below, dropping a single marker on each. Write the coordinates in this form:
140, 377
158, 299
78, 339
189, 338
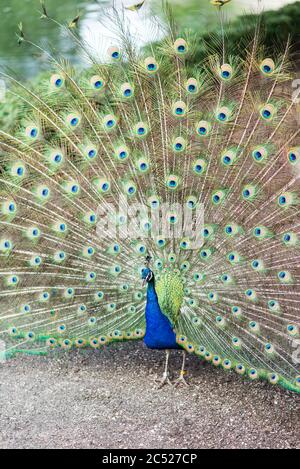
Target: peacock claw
165, 380
180, 380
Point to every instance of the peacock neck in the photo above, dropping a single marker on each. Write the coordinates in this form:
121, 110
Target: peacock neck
151, 292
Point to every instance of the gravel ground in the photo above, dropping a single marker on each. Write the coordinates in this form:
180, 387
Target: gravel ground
107, 399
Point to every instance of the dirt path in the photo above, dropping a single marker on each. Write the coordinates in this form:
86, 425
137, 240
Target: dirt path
106, 399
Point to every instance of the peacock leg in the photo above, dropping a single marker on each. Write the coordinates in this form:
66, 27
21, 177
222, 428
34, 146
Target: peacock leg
165, 377
182, 372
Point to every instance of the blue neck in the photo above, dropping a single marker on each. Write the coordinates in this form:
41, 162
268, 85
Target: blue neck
159, 331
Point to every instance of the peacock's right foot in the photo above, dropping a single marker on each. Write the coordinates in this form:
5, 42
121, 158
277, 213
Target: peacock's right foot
181, 380
163, 381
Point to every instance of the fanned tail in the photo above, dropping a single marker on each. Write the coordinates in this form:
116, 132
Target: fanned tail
100, 158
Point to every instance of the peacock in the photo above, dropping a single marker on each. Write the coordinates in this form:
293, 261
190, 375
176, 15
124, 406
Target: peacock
151, 196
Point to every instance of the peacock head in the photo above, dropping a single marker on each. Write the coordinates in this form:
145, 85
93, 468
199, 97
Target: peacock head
147, 276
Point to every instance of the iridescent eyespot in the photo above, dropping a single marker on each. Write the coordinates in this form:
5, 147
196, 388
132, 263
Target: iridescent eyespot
179, 109
127, 90
290, 238
253, 326
260, 154
73, 120
267, 112
267, 66
192, 86
240, 369
97, 83
57, 81
102, 185
200, 166
172, 182
269, 349
191, 202
32, 132
142, 165
218, 196
153, 202
287, 199
229, 157
55, 158
252, 373
160, 242
140, 129
205, 254
122, 152
114, 53
151, 65
109, 122
249, 192
226, 72
293, 155
203, 128
130, 188
284, 276
179, 144
213, 297
273, 378
180, 46
292, 330
232, 229
223, 114
18, 170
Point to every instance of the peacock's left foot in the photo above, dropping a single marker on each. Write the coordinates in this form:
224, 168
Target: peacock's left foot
181, 380
163, 381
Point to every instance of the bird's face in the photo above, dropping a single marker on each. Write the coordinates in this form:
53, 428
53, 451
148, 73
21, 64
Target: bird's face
147, 275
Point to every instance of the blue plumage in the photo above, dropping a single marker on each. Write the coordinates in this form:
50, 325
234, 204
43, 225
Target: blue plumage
159, 331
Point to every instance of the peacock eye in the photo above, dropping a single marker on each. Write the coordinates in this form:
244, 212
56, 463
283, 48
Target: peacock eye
223, 114
293, 155
32, 132
203, 128
109, 122
172, 182
56, 81
97, 82
141, 130
151, 65
267, 67
249, 192
218, 196
192, 86
73, 120
200, 166
127, 90
260, 154
114, 53
267, 112
180, 46
179, 109
179, 144
226, 72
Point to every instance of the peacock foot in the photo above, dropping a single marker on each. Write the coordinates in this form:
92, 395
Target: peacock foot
181, 380
163, 381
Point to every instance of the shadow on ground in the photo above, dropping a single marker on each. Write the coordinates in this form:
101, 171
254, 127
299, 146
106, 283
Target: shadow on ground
107, 399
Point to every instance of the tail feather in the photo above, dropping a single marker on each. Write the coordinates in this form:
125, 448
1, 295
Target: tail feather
155, 131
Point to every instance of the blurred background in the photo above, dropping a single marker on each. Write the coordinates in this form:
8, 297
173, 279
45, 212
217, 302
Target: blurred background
199, 15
